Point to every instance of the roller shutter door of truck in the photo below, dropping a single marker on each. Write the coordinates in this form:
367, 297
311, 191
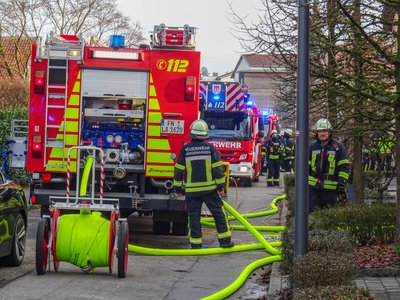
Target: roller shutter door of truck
112, 83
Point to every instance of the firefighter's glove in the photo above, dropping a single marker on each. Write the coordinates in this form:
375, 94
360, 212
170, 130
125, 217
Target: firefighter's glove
341, 188
221, 190
178, 190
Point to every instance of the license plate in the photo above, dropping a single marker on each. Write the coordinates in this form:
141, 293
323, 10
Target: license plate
172, 126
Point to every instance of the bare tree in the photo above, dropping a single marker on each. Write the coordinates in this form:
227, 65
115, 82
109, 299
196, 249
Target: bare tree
26, 20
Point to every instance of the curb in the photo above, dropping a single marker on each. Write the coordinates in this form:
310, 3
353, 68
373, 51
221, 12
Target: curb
277, 282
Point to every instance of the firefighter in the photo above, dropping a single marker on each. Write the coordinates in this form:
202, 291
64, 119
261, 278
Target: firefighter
328, 168
385, 145
288, 153
273, 152
202, 105
199, 165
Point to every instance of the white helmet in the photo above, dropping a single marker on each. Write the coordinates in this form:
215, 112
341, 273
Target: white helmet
323, 124
289, 132
199, 130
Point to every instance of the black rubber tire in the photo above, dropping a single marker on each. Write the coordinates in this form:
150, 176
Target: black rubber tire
161, 227
42, 251
19, 243
122, 254
248, 182
180, 228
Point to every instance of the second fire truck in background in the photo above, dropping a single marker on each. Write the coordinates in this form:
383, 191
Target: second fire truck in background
234, 127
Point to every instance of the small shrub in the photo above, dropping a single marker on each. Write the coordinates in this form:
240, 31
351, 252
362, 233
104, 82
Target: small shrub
317, 268
288, 180
345, 292
365, 224
318, 240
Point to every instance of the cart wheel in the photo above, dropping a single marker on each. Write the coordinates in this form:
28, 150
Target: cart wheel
123, 241
56, 215
111, 243
42, 242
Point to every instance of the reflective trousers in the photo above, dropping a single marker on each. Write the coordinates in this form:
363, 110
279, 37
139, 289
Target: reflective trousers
274, 167
214, 203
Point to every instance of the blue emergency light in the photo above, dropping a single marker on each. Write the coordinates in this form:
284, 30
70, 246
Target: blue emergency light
216, 97
267, 112
117, 41
249, 103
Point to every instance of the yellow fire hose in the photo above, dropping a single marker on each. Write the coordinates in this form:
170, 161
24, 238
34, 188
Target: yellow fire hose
79, 238
85, 176
269, 246
83, 240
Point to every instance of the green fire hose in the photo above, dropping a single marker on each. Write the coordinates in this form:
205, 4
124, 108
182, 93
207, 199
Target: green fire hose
83, 239
263, 244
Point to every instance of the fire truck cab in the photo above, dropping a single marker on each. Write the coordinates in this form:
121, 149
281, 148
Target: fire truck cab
234, 128
136, 104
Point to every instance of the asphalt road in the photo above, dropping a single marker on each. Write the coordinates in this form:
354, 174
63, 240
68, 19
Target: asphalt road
148, 277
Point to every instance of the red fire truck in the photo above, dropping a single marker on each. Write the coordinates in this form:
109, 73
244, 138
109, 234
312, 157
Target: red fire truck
234, 128
135, 104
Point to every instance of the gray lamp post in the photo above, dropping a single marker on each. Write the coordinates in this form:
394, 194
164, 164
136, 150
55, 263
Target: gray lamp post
302, 110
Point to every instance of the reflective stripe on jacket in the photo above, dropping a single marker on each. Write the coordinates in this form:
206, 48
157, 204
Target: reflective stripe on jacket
288, 153
199, 165
328, 165
273, 149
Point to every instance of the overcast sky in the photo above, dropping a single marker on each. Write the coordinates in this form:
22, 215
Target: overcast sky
220, 51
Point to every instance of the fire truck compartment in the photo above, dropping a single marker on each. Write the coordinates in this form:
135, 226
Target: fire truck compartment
114, 83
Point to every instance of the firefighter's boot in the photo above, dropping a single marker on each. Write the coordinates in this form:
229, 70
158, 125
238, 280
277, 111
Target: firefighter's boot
226, 243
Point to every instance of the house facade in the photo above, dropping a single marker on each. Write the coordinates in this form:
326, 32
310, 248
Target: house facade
263, 74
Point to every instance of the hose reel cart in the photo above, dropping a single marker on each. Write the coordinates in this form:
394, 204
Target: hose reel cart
76, 230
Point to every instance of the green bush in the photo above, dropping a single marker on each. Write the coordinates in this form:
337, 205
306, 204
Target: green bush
344, 292
319, 268
288, 180
318, 241
6, 115
365, 224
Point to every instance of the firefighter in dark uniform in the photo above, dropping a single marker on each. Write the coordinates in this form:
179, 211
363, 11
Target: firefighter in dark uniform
288, 152
273, 154
328, 168
199, 166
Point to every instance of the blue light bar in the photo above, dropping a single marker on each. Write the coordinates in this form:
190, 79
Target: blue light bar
117, 41
216, 97
249, 103
265, 113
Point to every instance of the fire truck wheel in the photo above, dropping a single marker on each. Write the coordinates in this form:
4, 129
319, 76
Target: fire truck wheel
42, 242
161, 228
180, 228
257, 178
248, 182
123, 241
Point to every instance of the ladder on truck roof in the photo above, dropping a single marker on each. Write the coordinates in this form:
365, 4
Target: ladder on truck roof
60, 49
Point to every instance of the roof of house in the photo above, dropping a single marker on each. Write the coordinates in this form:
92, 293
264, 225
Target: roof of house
259, 62
14, 56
